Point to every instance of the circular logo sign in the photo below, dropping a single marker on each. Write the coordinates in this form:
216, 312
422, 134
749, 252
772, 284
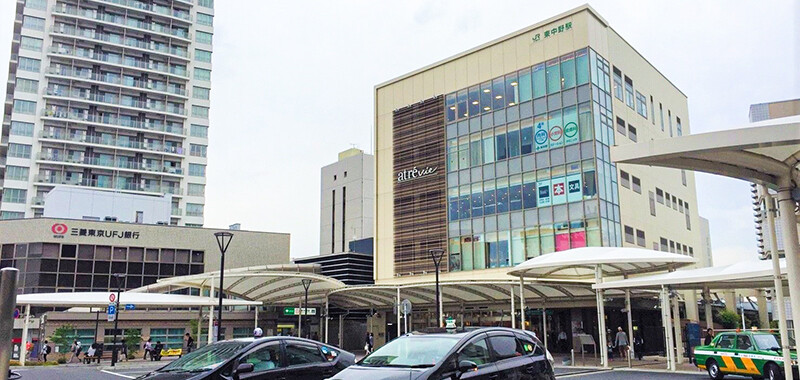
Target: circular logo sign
556, 133
541, 136
59, 228
571, 129
112, 297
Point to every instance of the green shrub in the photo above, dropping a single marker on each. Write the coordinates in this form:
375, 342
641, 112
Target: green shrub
61, 360
728, 319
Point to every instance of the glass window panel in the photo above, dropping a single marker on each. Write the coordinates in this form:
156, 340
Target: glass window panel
547, 239
502, 195
503, 249
525, 87
450, 105
501, 151
486, 97
461, 104
582, 66
517, 247
463, 152
539, 87
21, 128
479, 251
475, 150
526, 136
553, 77
515, 193
512, 90
513, 141
474, 100
568, 71
498, 92
489, 198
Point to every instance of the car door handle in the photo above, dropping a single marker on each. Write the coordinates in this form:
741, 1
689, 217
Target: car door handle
493, 376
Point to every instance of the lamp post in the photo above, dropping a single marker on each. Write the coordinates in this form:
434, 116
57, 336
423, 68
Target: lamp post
223, 241
306, 285
436, 255
118, 278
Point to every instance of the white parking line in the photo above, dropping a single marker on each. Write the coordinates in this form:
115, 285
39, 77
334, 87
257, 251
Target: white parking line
117, 374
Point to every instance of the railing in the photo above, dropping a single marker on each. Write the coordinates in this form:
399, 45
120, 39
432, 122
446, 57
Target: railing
110, 141
115, 100
91, 34
115, 79
112, 120
119, 60
38, 201
58, 179
118, 163
177, 211
122, 21
155, 8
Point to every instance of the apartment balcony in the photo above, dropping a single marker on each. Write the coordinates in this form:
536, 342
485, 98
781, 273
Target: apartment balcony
92, 35
112, 121
176, 14
117, 60
130, 23
37, 201
100, 163
108, 141
58, 179
177, 211
115, 100
87, 76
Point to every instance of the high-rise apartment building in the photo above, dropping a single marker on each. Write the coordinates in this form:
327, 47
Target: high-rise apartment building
110, 95
346, 201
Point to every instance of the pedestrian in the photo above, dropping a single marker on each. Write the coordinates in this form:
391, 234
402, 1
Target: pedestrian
148, 348
258, 332
124, 351
189, 343
89, 355
45, 350
638, 345
368, 343
76, 351
562, 341
621, 341
709, 337
156, 354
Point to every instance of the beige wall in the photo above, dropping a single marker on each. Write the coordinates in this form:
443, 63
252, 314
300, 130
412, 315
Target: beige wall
516, 51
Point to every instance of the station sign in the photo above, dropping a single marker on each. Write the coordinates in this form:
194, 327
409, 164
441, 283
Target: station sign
295, 311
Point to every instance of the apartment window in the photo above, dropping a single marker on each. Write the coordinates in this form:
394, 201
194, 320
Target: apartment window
664, 246
629, 92
686, 250
640, 240
202, 74
205, 19
641, 104
202, 55
194, 209
674, 202
686, 214
672, 246
197, 170
30, 43
200, 111
655, 246
637, 184
678, 126
201, 93
27, 85
660, 195
197, 150
24, 106
196, 226
669, 200
621, 126
11, 215
680, 205
29, 64
36, 4
17, 173
14, 195
617, 83
34, 23
199, 131
345, 174
625, 179
203, 37
669, 120
678, 247
196, 189
629, 235
206, 3
683, 177
632, 133
19, 150
20, 128
652, 198
661, 113
652, 111
691, 251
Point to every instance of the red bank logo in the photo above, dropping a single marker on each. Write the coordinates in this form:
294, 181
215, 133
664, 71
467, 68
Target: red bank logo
59, 228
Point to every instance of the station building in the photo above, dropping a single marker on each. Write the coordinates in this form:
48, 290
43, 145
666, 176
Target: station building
501, 153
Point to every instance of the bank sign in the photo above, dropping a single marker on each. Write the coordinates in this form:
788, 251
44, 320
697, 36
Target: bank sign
415, 173
60, 230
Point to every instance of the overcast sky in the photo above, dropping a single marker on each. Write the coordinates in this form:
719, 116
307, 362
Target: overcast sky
292, 85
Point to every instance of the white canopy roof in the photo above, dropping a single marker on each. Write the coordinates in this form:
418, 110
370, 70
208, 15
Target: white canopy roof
745, 274
140, 300
580, 263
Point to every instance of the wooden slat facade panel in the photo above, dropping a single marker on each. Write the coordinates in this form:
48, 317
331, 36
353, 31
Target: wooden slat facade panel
420, 204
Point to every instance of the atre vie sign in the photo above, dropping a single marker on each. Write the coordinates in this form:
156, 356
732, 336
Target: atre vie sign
414, 173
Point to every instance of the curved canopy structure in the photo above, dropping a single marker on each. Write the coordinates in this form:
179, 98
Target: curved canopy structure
581, 263
764, 152
742, 275
141, 300
270, 284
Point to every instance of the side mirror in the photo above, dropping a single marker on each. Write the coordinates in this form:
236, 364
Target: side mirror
467, 366
244, 368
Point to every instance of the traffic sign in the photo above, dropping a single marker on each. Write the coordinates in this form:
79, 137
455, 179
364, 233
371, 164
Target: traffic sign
450, 323
130, 306
112, 297
405, 307
111, 312
297, 311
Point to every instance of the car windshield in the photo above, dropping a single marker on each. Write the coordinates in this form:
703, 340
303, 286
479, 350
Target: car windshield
412, 352
206, 358
769, 341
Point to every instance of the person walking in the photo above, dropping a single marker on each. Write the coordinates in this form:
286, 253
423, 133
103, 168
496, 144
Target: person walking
76, 351
709, 336
638, 345
621, 341
45, 351
562, 341
124, 349
189, 343
148, 348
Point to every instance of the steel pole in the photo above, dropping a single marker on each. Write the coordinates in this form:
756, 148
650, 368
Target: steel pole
327, 317
778, 303
397, 310
304, 313
789, 228
630, 323
221, 288
211, 313
23, 348
513, 309
8, 300
114, 351
521, 303
601, 316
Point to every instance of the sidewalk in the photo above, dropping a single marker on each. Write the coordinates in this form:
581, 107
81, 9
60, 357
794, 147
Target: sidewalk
647, 363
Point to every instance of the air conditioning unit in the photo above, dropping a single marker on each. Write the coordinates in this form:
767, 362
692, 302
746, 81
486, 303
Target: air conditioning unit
110, 219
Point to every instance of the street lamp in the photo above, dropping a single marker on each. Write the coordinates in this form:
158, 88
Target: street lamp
306, 285
436, 255
223, 241
118, 278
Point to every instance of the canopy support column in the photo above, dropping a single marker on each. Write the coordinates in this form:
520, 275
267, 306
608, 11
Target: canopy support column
667, 323
676, 318
778, 300
522, 302
629, 308
544, 326
341, 330
23, 348
601, 317
397, 311
708, 309
211, 314
300, 318
255, 320
790, 244
513, 310
327, 317
199, 324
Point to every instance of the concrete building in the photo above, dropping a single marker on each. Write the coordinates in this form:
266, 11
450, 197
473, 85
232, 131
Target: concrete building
110, 95
346, 201
705, 257
87, 204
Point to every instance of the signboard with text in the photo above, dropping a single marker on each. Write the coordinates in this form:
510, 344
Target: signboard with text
297, 310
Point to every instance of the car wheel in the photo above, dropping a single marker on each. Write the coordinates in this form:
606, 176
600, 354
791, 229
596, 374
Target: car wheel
713, 370
772, 372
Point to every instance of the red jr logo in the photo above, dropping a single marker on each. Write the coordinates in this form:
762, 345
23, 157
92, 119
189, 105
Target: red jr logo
59, 229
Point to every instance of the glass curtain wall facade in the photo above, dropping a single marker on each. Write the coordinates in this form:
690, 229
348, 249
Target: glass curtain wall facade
528, 167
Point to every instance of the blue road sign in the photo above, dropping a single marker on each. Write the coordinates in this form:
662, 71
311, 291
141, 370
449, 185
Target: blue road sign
130, 306
112, 309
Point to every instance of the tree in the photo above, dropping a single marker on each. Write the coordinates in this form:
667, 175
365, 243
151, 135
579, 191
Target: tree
728, 319
193, 328
63, 337
133, 338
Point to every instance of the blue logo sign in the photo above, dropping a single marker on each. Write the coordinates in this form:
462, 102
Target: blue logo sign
130, 306
112, 309
541, 136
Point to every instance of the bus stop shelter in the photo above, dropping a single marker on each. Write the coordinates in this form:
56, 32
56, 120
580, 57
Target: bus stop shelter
595, 264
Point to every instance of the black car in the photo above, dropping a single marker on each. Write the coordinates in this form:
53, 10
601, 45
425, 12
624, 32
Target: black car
273, 358
485, 353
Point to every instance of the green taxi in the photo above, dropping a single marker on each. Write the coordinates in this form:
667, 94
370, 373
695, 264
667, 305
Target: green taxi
748, 353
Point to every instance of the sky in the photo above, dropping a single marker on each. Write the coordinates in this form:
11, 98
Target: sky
293, 81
